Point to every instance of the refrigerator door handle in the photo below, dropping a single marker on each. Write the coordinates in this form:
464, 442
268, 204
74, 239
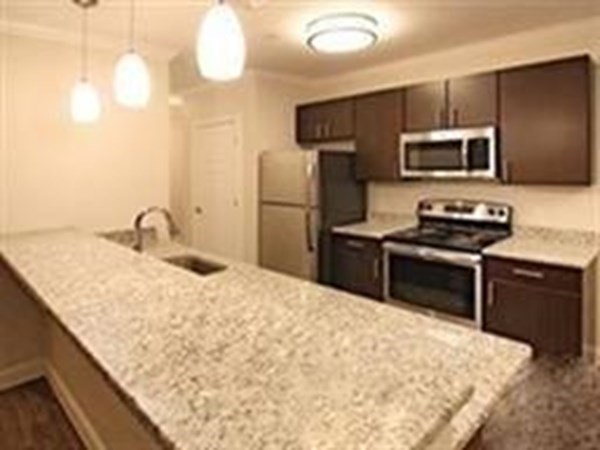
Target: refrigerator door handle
310, 246
310, 181
308, 217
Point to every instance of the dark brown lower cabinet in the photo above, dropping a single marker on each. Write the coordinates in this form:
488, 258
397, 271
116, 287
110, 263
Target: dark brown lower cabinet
539, 304
357, 266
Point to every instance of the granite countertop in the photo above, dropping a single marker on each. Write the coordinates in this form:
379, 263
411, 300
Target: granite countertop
248, 359
377, 226
576, 249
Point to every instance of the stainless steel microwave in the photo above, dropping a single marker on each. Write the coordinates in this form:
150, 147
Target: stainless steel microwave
453, 153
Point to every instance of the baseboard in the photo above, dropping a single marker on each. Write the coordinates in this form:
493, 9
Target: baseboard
20, 374
75, 413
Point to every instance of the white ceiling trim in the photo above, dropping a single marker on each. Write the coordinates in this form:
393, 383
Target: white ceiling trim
96, 41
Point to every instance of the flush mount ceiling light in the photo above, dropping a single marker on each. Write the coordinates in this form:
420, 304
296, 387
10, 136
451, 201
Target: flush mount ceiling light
220, 44
85, 100
342, 33
132, 79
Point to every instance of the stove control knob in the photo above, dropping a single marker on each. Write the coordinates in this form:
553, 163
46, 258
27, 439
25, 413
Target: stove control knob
501, 212
491, 211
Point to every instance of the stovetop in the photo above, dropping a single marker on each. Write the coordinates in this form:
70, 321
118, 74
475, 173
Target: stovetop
464, 225
468, 239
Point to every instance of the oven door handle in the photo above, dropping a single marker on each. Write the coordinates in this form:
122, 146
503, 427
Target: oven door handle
433, 255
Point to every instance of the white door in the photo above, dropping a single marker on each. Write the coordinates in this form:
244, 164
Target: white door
216, 188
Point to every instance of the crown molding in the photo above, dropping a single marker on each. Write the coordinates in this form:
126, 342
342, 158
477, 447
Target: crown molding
96, 41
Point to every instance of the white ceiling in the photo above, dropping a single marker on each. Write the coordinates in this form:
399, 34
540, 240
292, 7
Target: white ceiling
274, 28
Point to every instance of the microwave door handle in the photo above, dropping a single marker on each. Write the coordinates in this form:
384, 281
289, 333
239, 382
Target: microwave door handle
465, 155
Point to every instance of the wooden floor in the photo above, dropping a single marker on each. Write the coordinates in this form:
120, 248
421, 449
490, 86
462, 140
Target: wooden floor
32, 419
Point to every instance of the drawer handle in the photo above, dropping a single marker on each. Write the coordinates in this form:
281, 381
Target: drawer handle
528, 274
490, 294
355, 245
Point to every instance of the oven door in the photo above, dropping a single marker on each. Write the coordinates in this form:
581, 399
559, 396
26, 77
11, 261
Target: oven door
440, 281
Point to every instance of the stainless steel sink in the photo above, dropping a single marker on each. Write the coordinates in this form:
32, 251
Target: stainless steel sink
194, 264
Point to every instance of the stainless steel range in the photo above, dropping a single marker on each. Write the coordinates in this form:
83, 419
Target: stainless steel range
437, 266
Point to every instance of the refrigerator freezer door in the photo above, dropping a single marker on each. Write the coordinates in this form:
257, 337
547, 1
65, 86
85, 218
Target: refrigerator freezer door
289, 177
288, 240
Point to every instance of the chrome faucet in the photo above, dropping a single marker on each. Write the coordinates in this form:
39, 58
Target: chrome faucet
139, 235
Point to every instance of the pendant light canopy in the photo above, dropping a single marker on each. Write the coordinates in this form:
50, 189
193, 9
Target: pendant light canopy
85, 100
221, 45
131, 82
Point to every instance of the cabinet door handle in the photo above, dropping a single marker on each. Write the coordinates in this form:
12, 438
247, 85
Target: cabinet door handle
534, 274
376, 270
442, 118
328, 128
490, 294
455, 117
318, 131
356, 245
505, 171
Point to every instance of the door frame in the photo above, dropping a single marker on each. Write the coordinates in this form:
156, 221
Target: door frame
236, 121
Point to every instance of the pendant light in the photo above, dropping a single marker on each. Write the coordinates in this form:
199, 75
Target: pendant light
342, 33
132, 84
220, 44
85, 100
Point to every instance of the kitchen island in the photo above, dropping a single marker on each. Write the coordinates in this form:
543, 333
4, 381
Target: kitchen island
248, 359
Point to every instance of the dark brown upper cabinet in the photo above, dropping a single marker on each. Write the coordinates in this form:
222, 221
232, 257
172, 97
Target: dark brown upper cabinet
425, 106
473, 101
469, 101
325, 121
378, 123
545, 123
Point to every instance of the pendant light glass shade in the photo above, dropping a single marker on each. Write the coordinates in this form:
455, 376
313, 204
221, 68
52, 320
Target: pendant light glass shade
221, 45
86, 106
132, 84
85, 103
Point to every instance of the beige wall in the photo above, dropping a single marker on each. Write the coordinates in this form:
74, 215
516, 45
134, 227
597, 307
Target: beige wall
263, 104
56, 173
558, 207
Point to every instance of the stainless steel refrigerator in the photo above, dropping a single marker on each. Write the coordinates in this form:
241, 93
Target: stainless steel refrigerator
303, 194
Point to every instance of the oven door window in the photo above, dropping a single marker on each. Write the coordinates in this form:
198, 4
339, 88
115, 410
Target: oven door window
442, 155
438, 286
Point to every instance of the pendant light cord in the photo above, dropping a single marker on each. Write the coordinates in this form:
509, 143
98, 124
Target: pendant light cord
84, 45
131, 25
